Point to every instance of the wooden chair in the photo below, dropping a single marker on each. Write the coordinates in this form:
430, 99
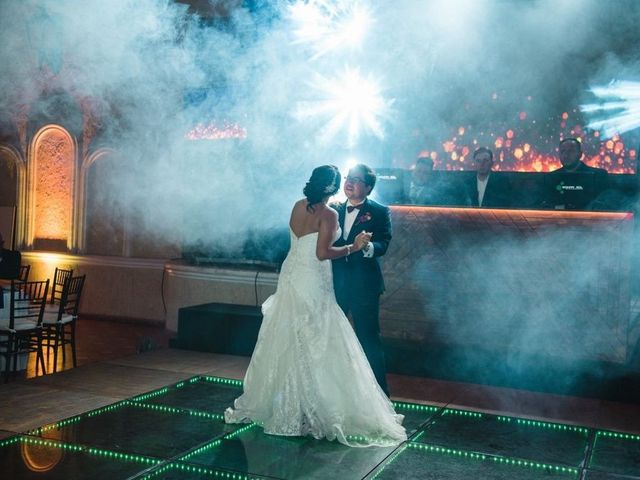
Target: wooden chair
23, 333
60, 276
23, 276
60, 327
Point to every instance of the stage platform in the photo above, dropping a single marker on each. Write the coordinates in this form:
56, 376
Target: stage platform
175, 430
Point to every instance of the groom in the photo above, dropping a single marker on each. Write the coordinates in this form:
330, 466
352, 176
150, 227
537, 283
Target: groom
357, 278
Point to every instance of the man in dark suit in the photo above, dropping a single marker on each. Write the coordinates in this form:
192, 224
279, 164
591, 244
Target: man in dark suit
9, 262
564, 193
427, 187
357, 278
486, 188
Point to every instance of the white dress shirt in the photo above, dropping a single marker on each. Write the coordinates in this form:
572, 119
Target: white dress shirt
349, 219
482, 187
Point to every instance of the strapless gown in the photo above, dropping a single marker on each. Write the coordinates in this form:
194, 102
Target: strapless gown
308, 374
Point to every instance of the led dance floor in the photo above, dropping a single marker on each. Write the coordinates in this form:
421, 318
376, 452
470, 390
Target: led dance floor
178, 432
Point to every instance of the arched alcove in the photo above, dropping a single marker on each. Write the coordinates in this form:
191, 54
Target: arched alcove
13, 186
51, 184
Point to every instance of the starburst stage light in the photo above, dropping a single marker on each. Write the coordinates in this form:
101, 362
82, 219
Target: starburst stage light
348, 101
329, 25
618, 109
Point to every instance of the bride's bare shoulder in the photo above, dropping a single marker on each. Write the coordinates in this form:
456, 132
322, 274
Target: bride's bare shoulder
328, 214
302, 203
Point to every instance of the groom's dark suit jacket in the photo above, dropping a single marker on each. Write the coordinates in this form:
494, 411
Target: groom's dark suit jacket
359, 275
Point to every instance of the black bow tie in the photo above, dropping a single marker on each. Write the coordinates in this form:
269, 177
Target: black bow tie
350, 208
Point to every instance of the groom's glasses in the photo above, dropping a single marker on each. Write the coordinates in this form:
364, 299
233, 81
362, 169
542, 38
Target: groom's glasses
355, 180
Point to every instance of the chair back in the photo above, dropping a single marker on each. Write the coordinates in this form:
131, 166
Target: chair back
71, 294
27, 303
60, 276
23, 276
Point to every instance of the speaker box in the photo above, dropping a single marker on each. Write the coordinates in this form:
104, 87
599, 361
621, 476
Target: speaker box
219, 328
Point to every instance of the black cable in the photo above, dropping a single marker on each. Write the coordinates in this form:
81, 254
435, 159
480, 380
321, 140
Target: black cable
164, 304
164, 270
255, 286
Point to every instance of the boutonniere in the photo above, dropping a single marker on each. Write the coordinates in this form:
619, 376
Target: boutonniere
365, 217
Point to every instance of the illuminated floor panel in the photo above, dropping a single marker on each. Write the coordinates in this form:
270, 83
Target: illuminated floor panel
136, 428
507, 437
290, 457
183, 471
616, 453
177, 432
413, 463
201, 395
26, 457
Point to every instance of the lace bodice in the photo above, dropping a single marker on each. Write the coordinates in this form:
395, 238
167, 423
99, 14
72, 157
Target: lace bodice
308, 374
303, 271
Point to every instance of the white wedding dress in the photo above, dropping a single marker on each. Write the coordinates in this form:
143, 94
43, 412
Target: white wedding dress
308, 374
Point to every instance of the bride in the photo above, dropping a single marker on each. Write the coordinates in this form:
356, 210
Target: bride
308, 374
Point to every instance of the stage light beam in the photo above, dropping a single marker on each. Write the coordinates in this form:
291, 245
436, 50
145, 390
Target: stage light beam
348, 101
330, 25
618, 110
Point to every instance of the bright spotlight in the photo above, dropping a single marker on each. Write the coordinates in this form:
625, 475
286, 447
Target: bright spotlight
350, 163
348, 101
618, 110
328, 25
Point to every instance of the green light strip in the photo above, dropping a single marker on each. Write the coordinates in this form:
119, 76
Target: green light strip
92, 451
462, 413
146, 396
528, 463
197, 470
624, 436
223, 381
108, 408
167, 409
123, 456
497, 459
204, 448
215, 443
54, 426
9, 441
549, 425
390, 461
415, 406
239, 431
51, 443
181, 384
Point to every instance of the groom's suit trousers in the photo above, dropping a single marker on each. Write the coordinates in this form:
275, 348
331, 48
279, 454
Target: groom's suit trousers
365, 316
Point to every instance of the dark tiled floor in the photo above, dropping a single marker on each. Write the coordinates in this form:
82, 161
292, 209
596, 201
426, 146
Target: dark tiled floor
158, 415
176, 432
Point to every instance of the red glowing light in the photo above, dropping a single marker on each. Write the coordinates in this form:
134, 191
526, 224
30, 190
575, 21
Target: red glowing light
539, 153
448, 146
523, 115
518, 153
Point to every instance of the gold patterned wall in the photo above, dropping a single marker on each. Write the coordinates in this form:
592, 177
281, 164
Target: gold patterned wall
53, 175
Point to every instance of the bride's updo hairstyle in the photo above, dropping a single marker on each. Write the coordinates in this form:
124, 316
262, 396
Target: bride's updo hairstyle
324, 182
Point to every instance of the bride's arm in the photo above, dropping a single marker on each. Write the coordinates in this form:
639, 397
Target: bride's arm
324, 248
